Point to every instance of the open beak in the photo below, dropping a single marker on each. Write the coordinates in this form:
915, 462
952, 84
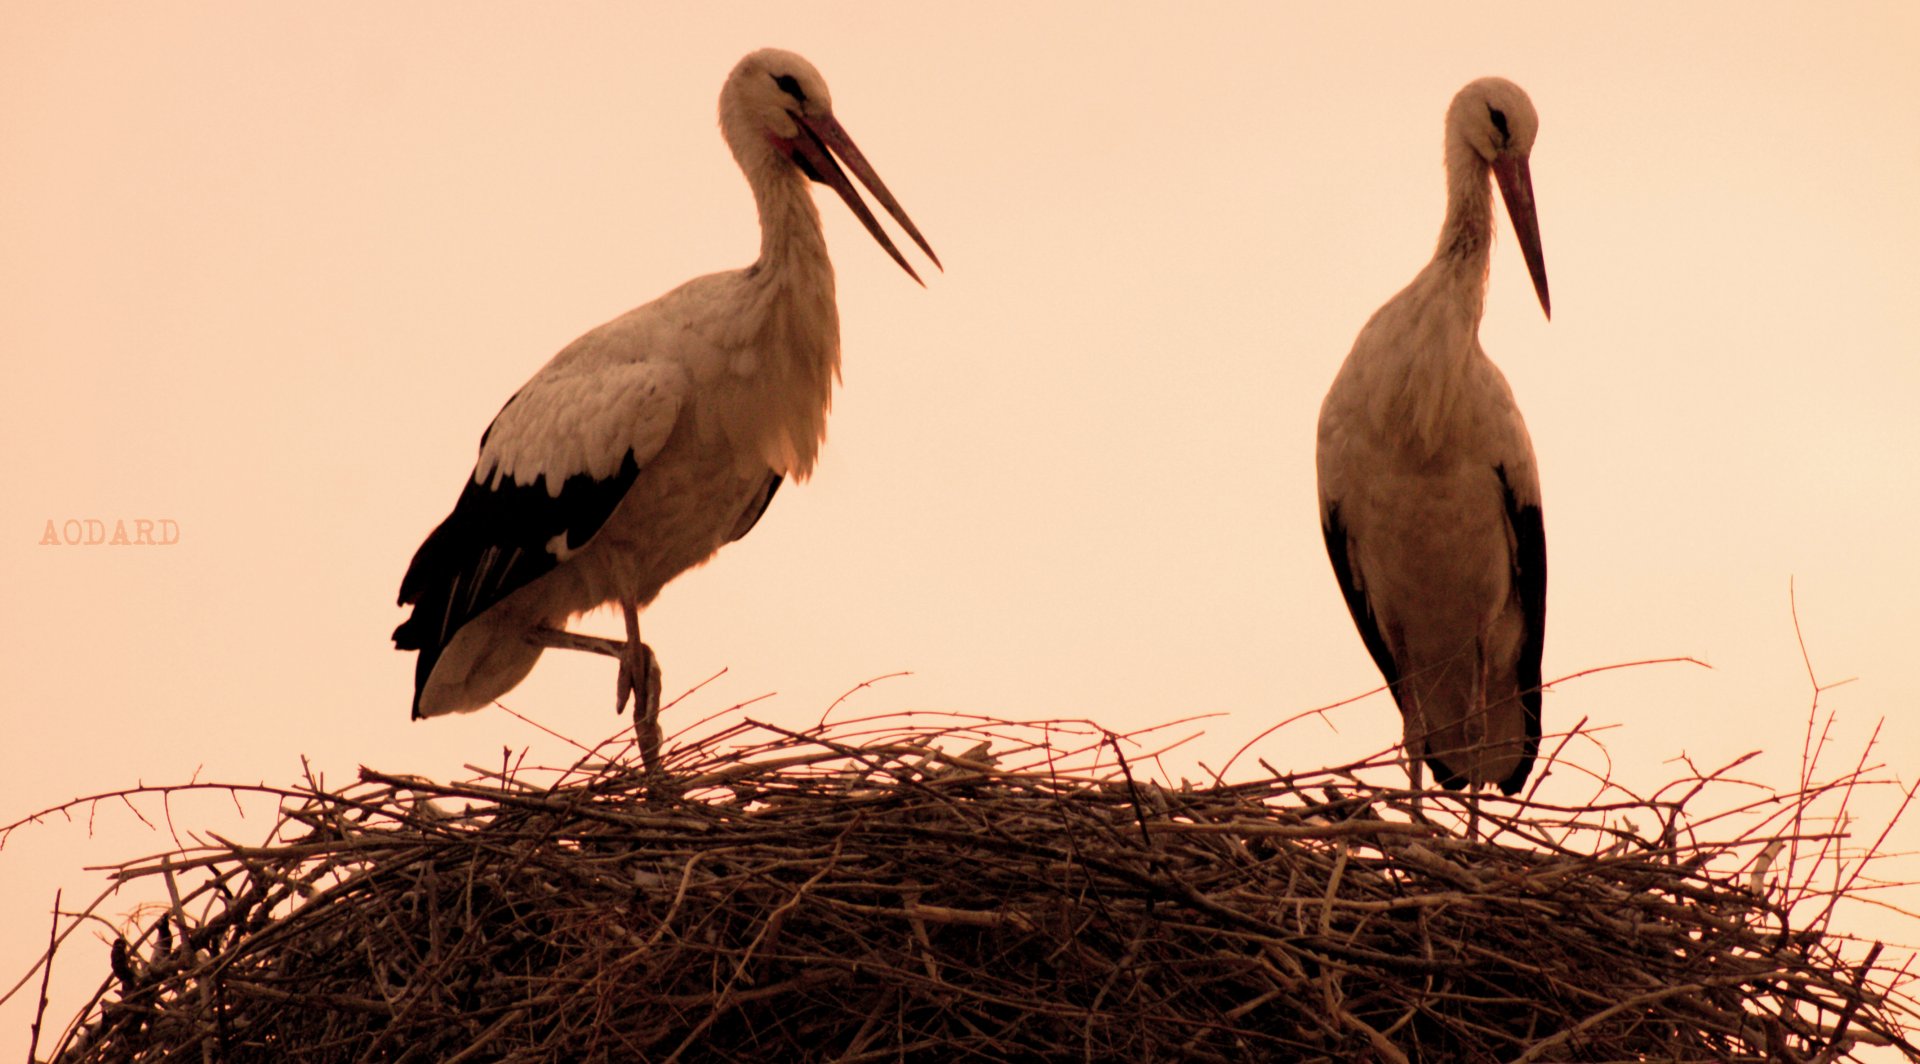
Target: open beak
822, 137
1516, 187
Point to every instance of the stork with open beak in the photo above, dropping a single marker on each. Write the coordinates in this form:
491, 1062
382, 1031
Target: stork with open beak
1429, 498
652, 441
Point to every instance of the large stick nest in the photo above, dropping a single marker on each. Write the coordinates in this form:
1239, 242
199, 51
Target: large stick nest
859, 893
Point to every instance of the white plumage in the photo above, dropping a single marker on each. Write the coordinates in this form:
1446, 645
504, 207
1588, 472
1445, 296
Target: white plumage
657, 438
1429, 498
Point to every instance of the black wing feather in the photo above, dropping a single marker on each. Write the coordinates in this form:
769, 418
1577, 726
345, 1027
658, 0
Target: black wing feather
493, 544
1356, 597
1530, 583
757, 508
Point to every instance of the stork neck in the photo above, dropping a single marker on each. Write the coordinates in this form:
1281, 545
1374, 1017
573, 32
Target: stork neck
1466, 238
1433, 325
791, 241
785, 330
792, 308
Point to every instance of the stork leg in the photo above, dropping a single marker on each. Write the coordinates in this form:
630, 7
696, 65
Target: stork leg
1413, 741
1478, 723
1414, 780
636, 659
640, 678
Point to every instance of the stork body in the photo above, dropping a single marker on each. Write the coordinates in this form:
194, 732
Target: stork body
652, 441
1429, 498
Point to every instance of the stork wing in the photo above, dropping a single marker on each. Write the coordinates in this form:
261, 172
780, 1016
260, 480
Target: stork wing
1353, 586
554, 464
1530, 585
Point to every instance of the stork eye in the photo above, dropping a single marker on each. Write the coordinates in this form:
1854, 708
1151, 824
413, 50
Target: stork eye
1499, 120
789, 85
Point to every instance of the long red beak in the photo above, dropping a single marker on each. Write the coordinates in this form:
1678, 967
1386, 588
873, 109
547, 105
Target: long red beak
1516, 187
823, 138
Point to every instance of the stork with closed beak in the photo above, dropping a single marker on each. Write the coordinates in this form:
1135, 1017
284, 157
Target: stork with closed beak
1428, 494
649, 443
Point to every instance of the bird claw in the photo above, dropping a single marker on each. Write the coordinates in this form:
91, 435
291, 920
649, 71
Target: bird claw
653, 687
648, 706
640, 658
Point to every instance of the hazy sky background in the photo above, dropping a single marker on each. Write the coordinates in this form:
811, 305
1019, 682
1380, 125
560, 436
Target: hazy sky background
270, 269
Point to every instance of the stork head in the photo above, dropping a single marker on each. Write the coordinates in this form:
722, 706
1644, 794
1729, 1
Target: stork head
1492, 120
776, 114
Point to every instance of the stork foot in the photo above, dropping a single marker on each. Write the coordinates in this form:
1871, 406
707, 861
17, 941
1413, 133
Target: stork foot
640, 679
638, 660
648, 703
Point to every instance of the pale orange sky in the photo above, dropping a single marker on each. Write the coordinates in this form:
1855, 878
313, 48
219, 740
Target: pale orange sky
270, 270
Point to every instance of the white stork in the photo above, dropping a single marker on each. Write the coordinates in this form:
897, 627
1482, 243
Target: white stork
649, 443
1428, 494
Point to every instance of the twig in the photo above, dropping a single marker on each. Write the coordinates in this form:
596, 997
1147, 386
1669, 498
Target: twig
46, 974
